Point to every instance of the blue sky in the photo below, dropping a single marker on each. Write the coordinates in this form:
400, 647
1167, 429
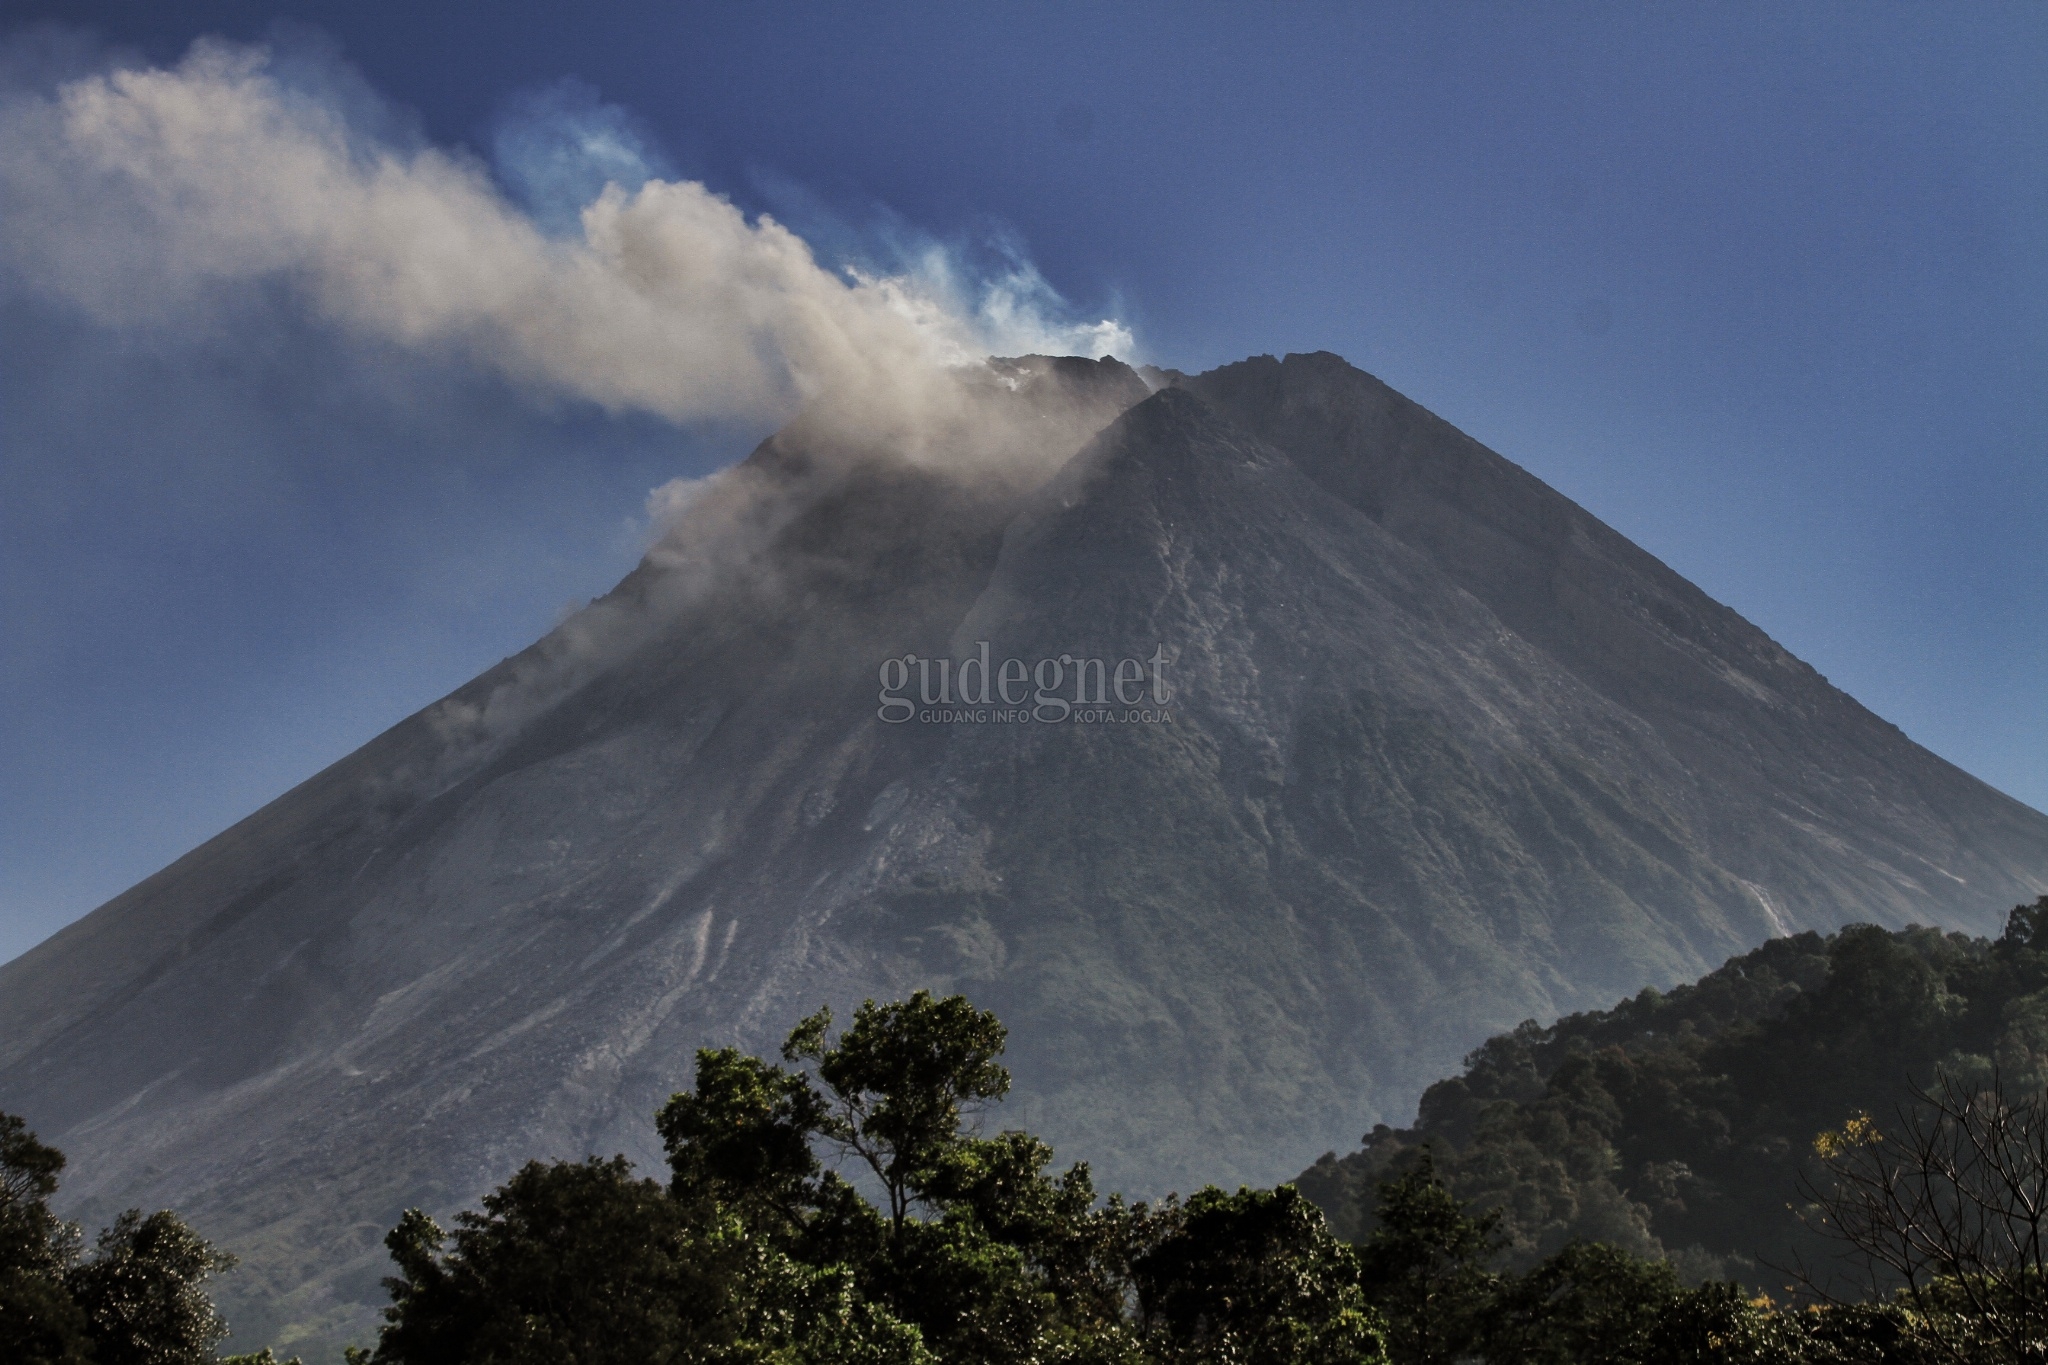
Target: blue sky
1764, 286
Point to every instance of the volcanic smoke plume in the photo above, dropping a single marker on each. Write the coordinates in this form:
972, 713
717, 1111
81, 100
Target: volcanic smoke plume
148, 197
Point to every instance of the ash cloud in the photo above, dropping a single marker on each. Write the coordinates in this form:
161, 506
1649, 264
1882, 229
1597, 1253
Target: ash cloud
194, 206
148, 196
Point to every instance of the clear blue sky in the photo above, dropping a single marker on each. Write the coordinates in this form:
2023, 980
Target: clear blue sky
1764, 286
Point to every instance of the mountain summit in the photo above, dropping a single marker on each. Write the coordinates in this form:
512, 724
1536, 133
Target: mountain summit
1253, 744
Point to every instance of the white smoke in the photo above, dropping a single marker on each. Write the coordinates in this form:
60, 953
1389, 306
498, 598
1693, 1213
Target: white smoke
161, 201
145, 196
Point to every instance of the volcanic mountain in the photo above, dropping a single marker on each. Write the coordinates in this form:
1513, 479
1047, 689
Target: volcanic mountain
1388, 747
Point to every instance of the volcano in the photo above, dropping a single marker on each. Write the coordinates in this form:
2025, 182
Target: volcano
1254, 749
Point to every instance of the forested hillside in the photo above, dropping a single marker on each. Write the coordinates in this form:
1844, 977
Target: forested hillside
948, 1245
1679, 1123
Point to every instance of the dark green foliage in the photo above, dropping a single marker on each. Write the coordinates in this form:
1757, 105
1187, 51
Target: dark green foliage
1254, 1276
743, 1136
1002, 1268
755, 1252
1012, 1261
1589, 1302
39, 1322
1714, 1323
1078, 1252
570, 1261
1710, 1120
140, 1298
580, 1261
1001, 1184
1425, 1266
28, 1172
899, 1079
143, 1293
970, 1296
32, 1241
1680, 1123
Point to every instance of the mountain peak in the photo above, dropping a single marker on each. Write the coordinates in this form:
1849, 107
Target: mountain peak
1253, 746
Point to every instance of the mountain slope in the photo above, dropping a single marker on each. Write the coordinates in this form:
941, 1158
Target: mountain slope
1738, 711
1443, 753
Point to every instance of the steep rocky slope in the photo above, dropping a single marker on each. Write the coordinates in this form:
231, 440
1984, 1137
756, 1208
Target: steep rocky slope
1420, 749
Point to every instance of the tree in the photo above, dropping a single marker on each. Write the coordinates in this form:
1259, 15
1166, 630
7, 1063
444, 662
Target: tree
1588, 1303
28, 1177
143, 1292
2026, 928
802, 1315
582, 1262
1951, 1204
742, 1136
39, 1322
900, 1079
970, 1296
1002, 1268
1425, 1266
754, 1246
1255, 1276
755, 1252
977, 1279
139, 1300
570, 1261
1716, 1324
1082, 1252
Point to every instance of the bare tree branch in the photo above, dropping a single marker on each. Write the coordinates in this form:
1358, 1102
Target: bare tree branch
1949, 1207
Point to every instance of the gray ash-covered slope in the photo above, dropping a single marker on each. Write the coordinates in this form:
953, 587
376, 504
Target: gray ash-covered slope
1445, 753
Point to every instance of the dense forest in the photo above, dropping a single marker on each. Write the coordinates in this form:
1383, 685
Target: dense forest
1600, 1191
1682, 1125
